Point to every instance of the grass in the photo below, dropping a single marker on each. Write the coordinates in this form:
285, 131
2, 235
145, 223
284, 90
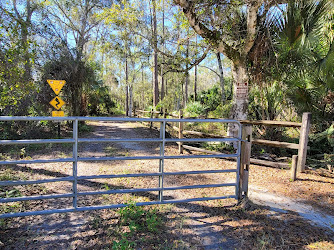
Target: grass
218, 146
136, 226
8, 174
85, 128
110, 151
9, 192
206, 127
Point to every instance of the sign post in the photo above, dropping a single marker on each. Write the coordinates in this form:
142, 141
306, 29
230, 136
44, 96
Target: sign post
57, 102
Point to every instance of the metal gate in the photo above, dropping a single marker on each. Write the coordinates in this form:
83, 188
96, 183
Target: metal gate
74, 178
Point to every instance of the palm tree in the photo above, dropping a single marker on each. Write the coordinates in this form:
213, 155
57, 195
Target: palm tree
305, 55
291, 43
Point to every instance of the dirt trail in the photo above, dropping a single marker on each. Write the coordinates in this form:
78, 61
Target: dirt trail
68, 230
283, 204
199, 223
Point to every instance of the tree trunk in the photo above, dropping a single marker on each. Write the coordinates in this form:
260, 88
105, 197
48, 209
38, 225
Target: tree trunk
195, 80
141, 105
221, 77
127, 87
187, 78
24, 36
155, 57
240, 100
130, 101
195, 84
163, 49
186, 89
76, 103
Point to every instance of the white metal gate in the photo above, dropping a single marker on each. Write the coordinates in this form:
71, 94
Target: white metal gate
74, 178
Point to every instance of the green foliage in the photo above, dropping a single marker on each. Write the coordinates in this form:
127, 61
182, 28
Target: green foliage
80, 83
136, 220
99, 100
9, 192
267, 102
123, 244
16, 53
139, 219
218, 146
210, 98
303, 55
194, 109
222, 111
322, 142
85, 128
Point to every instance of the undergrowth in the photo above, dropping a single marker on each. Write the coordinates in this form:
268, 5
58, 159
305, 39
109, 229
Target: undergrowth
136, 225
135, 220
8, 174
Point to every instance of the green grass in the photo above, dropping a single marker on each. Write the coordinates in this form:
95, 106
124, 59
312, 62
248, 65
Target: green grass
206, 127
137, 225
218, 146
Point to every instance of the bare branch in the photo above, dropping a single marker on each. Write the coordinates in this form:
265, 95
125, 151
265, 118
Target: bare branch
209, 69
198, 61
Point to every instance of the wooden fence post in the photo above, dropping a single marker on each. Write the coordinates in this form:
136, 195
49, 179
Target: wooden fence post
246, 146
303, 140
151, 116
294, 168
180, 131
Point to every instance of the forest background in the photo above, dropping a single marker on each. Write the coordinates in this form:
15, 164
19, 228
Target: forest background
118, 56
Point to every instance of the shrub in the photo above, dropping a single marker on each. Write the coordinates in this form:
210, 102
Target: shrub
195, 109
210, 98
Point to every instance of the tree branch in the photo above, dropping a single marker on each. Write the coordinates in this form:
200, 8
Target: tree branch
198, 61
253, 7
214, 37
209, 69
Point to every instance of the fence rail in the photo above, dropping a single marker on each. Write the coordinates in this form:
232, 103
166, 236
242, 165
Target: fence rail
75, 159
298, 161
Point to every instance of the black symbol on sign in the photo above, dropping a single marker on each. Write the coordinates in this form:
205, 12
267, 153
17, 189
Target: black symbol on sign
58, 102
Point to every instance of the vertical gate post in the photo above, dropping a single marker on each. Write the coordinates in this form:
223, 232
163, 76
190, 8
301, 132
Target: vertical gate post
75, 162
161, 161
180, 132
303, 140
246, 145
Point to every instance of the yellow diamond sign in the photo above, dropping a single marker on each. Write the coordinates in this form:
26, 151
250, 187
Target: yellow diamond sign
56, 85
57, 103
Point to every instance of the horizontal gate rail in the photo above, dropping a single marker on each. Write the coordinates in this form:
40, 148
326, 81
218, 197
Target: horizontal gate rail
31, 182
39, 197
75, 159
39, 141
37, 161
